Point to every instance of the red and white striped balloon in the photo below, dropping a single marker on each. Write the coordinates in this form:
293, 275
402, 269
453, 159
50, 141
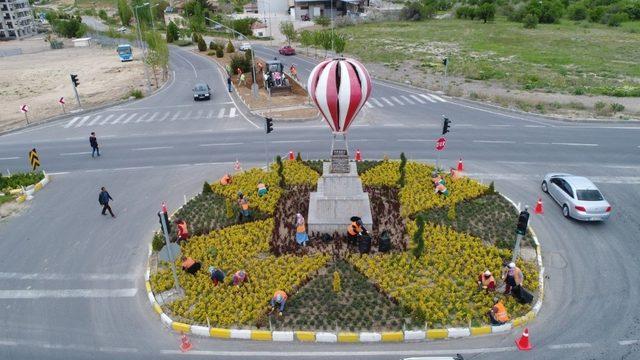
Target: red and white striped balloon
339, 88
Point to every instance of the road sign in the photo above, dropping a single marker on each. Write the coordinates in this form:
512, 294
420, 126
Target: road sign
24, 108
34, 159
61, 101
440, 144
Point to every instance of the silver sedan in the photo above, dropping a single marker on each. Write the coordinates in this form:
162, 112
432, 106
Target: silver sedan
578, 197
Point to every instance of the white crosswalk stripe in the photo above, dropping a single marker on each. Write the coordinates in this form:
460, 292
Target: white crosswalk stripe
188, 116
117, 120
70, 123
199, 114
368, 104
95, 120
141, 118
166, 115
407, 100
152, 117
221, 113
414, 97
130, 118
387, 101
106, 119
232, 112
438, 98
397, 100
210, 114
378, 103
84, 120
176, 116
428, 98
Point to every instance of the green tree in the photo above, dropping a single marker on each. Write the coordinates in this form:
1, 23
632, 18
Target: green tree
202, 45
143, 12
322, 21
230, 49
158, 54
287, 29
124, 12
173, 33
530, 21
577, 11
486, 12
102, 14
402, 170
339, 43
306, 39
547, 11
70, 28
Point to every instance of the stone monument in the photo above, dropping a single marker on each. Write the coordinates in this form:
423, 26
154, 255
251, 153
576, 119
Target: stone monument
339, 88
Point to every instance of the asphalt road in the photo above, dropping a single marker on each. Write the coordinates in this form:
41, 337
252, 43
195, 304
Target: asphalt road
71, 280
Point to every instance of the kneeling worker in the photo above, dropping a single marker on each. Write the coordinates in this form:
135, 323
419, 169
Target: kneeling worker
354, 230
216, 275
225, 180
498, 314
486, 281
189, 265
279, 297
240, 277
183, 231
262, 189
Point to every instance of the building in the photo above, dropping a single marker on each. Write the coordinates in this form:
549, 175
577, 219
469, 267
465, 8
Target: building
17, 19
315, 8
274, 6
259, 29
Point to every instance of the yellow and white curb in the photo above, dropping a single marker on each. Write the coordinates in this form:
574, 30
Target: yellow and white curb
347, 337
27, 193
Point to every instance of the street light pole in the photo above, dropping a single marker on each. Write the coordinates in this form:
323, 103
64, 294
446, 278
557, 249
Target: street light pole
153, 24
331, 25
144, 51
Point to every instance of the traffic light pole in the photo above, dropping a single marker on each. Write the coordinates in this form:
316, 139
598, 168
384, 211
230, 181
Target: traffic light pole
521, 229
75, 90
176, 284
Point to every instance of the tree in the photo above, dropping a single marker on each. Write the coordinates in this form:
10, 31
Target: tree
173, 33
143, 12
322, 21
287, 29
202, 46
306, 39
124, 12
486, 12
230, 48
158, 54
547, 11
530, 21
196, 17
577, 11
339, 43
69, 28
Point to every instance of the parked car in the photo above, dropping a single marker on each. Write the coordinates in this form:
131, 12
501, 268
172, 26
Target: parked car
287, 50
201, 91
578, 197
245, 46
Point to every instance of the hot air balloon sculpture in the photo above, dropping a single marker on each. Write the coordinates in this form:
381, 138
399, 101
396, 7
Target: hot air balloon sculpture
339, 87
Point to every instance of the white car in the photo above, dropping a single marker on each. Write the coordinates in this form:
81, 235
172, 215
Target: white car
245, 47
578, 197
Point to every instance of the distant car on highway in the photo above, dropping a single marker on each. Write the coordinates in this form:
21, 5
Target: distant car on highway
287, 50
245, 47
201, 91
578, 197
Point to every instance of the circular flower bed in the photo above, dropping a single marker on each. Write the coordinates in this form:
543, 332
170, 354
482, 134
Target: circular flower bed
430, 280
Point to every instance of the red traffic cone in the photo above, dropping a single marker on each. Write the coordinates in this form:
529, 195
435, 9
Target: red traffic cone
358, 155
291, 157
523, 343
539, 209
460, 165
185, 344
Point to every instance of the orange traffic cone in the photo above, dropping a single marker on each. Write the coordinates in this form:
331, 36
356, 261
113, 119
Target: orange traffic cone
291, 157
539, 209
237, 166
460, 165
523, 343
185, 344
358, 155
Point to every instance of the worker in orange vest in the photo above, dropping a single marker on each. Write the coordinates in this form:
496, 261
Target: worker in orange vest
354, 230
301, 230
183, 231
225, 180
243, 203
279, 297
498, 314
486, 281
189, 265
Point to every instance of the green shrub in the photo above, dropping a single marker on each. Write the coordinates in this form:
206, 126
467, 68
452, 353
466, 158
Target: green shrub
202, 46
239, 61
15, 181
599, 105
596, 14
616, 19
136, 93
615, 107
212, 45
418, 238
183, 42
530, 21
219, 53
158, 241
206, 188
577, 11
230, 49
211, 53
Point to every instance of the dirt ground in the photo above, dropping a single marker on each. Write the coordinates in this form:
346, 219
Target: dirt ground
40, 76
287, 106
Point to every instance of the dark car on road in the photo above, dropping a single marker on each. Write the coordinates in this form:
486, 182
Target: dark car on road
201, 91
287, 50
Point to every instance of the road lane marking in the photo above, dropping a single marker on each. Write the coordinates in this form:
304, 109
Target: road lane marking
501, 125
175, 116
59, 276
416, 98
368, 105
195, 73
574, 144
292, 141
107, 118
58, 173
210, 114
10, 158
438, 98
397, 100
84, 119
125, 168
428, 98
222, 144
536, 143
232, 112
68, 293
221, 113
387, 101
199, 114
152, 117
414, 140
76, 153
152, 148
130, 118
494, 141
117, 120
569, 346
378, 103
166, 115
535, 126
628, 342
407, 100
95, 120
71, 122
140, 119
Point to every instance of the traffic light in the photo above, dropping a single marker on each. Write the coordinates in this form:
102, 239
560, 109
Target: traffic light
445, 61
445, 125
161, 215
269, 124
74, 80
523, 222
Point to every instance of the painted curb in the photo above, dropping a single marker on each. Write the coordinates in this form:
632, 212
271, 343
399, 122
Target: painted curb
347, 337
28, 192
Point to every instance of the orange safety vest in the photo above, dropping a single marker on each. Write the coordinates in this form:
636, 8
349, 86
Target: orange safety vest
280, 292
501, 312
354, 229
225, 180
182, 229
244, 204
189, 262
300, 228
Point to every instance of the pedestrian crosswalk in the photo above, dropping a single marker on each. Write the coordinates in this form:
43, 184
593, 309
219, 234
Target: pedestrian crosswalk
125, 118
403, 100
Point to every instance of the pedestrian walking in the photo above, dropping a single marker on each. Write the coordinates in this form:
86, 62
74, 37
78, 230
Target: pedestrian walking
93, 141
229, 82
243, 79
104, 199
294, 71
512, 276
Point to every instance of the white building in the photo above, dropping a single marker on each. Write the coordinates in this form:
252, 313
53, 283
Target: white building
274, 6
16, 19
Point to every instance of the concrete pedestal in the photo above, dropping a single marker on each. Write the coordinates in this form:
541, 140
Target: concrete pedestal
339, 197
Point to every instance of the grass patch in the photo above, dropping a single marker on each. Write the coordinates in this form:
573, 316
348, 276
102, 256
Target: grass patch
17, 180
6, 198
553, 57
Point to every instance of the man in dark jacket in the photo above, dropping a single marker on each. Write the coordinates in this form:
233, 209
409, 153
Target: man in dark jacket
103, 199
93, 141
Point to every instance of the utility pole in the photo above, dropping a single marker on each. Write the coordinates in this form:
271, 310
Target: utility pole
76, 82
164, 221
144, 50
521, 230
446, 67
331, 25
